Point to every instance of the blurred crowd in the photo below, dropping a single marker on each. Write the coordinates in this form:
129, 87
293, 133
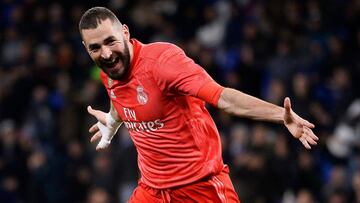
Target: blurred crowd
308, 50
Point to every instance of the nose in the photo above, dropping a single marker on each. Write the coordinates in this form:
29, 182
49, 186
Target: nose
105, 52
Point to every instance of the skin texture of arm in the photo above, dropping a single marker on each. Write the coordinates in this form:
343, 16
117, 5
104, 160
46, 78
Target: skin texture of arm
243, 105
240, 104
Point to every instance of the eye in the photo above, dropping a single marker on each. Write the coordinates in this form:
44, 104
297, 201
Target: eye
94, 50
111, 42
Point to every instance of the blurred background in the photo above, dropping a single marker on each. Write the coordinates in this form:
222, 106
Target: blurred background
306, 49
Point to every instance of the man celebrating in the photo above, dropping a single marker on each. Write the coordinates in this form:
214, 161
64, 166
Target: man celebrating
159, 94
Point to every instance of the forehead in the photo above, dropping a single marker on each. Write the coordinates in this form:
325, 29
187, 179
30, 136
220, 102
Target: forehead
104, 29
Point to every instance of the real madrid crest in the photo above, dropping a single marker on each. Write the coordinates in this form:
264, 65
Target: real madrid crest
141, 95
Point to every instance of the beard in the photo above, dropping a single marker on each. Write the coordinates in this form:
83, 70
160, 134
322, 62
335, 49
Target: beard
118, 65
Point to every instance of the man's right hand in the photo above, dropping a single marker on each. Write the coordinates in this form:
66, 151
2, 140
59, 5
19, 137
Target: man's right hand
104, 129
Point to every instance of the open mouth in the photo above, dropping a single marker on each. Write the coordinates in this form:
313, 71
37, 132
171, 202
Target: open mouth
110, 63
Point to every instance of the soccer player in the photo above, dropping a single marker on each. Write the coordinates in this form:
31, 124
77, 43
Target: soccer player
159, 94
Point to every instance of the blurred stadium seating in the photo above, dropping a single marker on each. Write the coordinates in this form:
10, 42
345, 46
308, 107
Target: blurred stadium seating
308, 50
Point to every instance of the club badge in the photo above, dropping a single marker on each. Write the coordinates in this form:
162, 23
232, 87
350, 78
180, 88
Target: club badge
141, 95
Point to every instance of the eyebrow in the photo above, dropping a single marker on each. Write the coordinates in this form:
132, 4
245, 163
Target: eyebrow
109, 39
105, 41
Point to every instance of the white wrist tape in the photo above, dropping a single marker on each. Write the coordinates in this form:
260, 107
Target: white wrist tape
107, 131
110, 121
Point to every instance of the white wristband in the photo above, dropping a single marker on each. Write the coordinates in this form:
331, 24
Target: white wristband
107, 131
111, 122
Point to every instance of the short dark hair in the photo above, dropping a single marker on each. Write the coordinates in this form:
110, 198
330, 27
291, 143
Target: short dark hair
93, 17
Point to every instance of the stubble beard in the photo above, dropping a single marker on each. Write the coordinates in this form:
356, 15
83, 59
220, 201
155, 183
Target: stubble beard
124, 58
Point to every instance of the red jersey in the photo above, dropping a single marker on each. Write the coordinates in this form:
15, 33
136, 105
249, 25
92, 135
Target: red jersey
175, 137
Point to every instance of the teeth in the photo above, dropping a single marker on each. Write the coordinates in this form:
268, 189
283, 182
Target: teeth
110, 62
113, 61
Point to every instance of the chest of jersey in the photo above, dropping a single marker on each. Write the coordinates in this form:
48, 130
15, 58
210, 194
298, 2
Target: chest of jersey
138, 100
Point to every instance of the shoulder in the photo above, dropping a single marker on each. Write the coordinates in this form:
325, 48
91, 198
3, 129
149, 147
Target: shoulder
160, 50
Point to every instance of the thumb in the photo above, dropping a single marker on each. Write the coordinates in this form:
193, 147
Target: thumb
99, 115
91, 110
287, 105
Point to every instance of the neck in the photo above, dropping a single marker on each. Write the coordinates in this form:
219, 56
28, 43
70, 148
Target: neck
131, 51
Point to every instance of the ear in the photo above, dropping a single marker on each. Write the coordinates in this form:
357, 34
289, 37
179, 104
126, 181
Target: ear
126, 32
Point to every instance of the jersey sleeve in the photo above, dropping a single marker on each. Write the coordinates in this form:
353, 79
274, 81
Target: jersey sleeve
210, 92
177, 73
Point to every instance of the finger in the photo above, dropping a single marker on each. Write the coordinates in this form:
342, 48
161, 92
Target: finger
100, 148
99, 115
95, 137
287, 105
308, 124
310, 140
304, 142
311, 133
309, 136
94, 128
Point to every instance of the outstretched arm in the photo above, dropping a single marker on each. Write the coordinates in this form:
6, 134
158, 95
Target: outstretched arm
240, 104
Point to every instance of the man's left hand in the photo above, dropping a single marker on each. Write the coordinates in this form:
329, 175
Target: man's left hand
299, 128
